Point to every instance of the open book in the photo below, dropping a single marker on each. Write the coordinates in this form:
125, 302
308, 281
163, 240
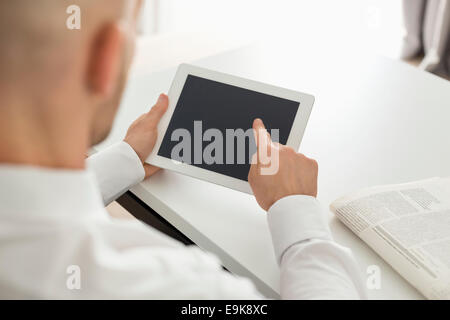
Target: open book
408, 225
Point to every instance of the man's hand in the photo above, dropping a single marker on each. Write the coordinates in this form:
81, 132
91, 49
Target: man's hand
142, 133
296, 173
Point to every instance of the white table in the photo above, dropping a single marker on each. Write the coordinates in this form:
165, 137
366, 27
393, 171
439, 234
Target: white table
375, 121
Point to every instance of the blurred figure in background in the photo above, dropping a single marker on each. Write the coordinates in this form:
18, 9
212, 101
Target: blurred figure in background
427, 24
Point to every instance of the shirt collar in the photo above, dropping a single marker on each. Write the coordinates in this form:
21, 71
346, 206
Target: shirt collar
26, 190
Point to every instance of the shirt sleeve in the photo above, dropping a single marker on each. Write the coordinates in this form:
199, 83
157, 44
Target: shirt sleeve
312, 265
117, 168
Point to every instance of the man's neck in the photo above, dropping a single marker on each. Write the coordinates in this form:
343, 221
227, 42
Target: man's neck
30, 139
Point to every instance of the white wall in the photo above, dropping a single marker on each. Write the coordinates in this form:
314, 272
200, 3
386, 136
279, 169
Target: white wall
374, 24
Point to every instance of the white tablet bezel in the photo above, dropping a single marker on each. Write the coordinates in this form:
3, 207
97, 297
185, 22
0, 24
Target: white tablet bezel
295, 136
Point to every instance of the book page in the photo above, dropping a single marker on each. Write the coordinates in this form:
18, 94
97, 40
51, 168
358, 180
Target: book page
408, 225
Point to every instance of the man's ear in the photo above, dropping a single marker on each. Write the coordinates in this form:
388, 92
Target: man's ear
105, 60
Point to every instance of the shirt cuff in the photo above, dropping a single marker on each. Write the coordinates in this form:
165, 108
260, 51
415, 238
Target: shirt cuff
295, 219
117, 168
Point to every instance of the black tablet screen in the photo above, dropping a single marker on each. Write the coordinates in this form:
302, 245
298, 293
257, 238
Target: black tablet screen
209, 126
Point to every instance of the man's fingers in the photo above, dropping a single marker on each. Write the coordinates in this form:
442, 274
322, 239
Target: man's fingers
254, 158
158, 110
150, 170
260, 133
258, 124
258, 127
263, 142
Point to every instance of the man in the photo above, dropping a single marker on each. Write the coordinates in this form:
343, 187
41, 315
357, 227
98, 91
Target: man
59, 92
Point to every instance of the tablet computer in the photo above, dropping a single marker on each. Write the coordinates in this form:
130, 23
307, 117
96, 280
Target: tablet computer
206, 131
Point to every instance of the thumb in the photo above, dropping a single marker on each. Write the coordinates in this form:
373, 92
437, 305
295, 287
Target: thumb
150, 170
158, 110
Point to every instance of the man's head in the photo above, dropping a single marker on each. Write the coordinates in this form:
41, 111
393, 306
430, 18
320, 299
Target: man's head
58, 83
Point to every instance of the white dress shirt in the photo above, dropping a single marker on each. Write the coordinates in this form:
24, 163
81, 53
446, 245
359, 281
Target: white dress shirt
57, 241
